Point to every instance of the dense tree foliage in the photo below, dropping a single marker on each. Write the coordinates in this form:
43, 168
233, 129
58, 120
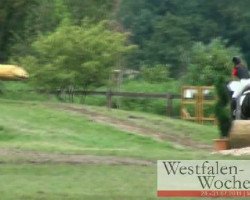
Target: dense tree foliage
77, 56
96, 10
165, 30
171, 33
12, 22
209, 62
22, 21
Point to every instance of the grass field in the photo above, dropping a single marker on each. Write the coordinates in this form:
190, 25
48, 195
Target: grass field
62, 181
40, 144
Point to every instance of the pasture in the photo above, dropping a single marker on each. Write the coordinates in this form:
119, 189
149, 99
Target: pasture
57, 143
68, 151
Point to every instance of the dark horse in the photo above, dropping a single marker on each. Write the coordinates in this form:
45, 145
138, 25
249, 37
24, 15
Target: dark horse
240, 100
243, 104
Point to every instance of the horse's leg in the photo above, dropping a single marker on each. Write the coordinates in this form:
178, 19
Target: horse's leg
233, 107
245, 107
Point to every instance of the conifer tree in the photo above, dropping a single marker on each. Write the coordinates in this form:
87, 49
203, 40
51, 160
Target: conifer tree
222, 108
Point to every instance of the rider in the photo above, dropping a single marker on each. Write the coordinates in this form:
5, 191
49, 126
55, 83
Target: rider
241, 73
239, 70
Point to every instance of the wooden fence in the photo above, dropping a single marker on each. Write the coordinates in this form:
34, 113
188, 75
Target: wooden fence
198, 101
110, 94
169, 97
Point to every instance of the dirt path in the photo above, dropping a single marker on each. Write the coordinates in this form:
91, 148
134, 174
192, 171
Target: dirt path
18, 156
132, 127
235, 152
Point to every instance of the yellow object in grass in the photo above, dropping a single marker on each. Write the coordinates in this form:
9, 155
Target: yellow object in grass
12, 72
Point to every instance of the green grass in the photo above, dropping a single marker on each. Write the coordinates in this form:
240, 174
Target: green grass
34, 126
78, 182
171, 86
202, 133
61, 182
15, 91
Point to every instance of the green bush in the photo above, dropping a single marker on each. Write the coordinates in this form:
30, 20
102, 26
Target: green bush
222, 108
209, 61
79, 56
156, 74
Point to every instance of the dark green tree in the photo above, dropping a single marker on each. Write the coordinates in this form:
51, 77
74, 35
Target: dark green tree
165, 30
12, 20
96, 10
222, 107
22, 21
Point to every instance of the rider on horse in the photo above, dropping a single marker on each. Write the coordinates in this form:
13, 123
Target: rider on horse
240, 103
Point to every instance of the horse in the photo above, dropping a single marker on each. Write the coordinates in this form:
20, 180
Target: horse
240, 101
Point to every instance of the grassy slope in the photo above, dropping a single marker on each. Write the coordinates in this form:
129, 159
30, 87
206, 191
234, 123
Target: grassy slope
203, 133
32, 126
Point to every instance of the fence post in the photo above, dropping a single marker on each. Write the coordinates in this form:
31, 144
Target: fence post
169, 107
109, 99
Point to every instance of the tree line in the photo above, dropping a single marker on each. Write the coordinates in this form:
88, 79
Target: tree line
79, 42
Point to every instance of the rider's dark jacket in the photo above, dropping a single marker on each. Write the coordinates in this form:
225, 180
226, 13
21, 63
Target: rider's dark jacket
241, 72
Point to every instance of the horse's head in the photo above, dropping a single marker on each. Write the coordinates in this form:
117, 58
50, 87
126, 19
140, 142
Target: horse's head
12, 72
